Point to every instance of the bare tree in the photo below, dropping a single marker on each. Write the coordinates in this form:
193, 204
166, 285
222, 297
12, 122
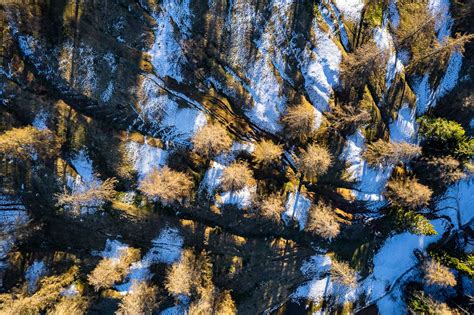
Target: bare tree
408, 193
211, 140
236, 176
95, 194
266, 152
323, 221
299, 121
386, 153
437, 274
110, 271
167, 185
140, 301
348, 117
342, 273
315, 161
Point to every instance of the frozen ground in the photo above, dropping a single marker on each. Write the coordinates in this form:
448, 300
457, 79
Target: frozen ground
146, 157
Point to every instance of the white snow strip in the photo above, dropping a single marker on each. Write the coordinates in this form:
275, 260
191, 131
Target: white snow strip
212, 177
296, 208
403, 129
34, 273
83, 166
40, 121
145, 157
107, 94
443, 21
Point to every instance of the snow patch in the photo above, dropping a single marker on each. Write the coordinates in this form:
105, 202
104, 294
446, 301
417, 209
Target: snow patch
443, 21
40, 121
145, 157
403, 129
107, 94
34, 273
241, 198
351, 9
296, 208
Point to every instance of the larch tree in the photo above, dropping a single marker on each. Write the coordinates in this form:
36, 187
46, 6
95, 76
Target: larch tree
323, 221
299, 121
342, 273
266, 153
70, 305
180, 276
271, 207
211, 140
110, 271
315, 161
236, 176
437, 274
141, 300
27, 142
408, 193
386, 153
167, 185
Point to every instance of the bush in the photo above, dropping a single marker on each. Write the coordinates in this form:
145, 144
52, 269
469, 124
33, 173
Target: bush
299, 121
236, 176
342, 273
211, 140
272, 207
323, 222
386, 153
408, 193
315, 161
140, 301
167, 185
437, 274
267, 153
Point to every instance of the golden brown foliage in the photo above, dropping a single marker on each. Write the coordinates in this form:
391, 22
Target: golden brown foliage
180, 276
315, 161
348, 117
408, 193
93, 195
342, 273
437, 274
236, 176
225, 304
385, 153
266, 152
167, 185
299, 121
23, 143
46, 296
70, 306
357, 67
110, 271
140, 301
322, 221
271, 207
211, 140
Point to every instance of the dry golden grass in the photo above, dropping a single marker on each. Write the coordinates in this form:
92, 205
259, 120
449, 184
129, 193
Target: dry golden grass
211, 140
167, 185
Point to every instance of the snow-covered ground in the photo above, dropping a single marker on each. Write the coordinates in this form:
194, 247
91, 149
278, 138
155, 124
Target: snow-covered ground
241, 198
404, 128
166, 248
351, 9
145, 157
296, 208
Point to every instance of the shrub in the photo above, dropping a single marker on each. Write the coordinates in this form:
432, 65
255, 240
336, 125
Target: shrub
342, 273
266, 152
386, 153
299, 121
24, 143
140, 301
211, 140
408, 193
272, 207
110, 271
315, 161
322, 221
236, 176
437, 274
167, 185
